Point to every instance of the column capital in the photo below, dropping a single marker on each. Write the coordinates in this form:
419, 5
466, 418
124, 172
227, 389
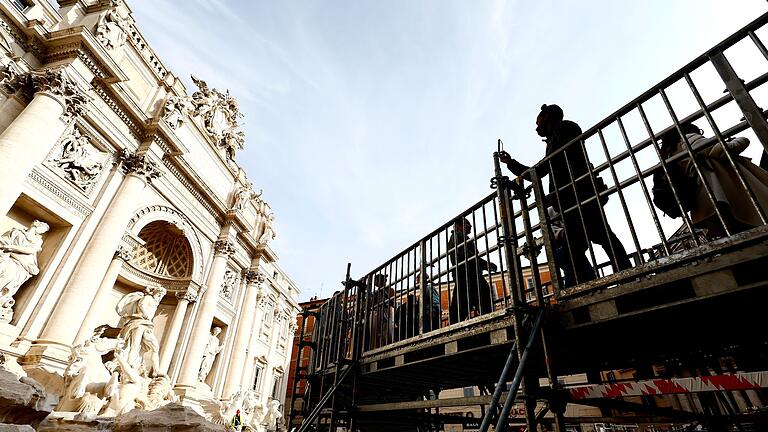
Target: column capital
56, 82
254, 277
139, 165
189, 296
123, 253
223, 247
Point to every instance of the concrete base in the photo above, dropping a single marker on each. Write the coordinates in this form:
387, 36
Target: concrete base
171, 417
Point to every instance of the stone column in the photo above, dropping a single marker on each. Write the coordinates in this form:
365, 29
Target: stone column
28, 139
102, 295
253, 279
253, 339
202, 326
64, 322
177, 320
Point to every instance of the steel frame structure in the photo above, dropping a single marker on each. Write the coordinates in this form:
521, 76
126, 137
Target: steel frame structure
387, 343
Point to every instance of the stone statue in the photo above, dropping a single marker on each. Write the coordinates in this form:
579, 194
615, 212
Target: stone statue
111, 29
176, 110
86, 377
211, 350
273, 417
251, 410
141, 348
77, 160
219, 113
269, 231
18, 262
244, 196
229, 285
133, 378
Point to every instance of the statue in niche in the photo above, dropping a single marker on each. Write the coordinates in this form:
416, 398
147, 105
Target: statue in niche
18, 262
229, 285
111, 29
269, 231
176, 110
141, 347
132, 379
244, 196
77, 160
212, 348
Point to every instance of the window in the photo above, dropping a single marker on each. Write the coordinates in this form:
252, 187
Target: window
276, 385
256, 377
21, 5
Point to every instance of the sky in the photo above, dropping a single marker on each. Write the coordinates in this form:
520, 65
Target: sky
369, 123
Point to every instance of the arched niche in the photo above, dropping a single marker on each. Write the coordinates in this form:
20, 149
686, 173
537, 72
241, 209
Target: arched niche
175, 224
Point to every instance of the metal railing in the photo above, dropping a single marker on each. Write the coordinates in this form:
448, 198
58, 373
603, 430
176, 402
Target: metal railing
600, 192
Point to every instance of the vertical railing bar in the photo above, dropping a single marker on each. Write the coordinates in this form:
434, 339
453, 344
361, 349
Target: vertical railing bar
556, 188
544, 222
622, 198
643, 186
488, 256
665, 168
695, 163
759, 43
478, 269
752, 113
504, 286
599, 204
583, 226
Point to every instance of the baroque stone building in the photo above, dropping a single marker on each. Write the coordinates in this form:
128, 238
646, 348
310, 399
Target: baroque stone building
134, 252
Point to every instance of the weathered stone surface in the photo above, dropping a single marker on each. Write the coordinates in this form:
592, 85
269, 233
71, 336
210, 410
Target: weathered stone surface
22, 400
171, 417
4, 427
68, 425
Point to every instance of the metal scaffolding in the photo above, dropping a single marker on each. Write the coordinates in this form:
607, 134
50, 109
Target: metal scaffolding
677, 303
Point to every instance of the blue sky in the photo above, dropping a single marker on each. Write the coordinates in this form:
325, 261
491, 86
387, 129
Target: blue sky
370, 122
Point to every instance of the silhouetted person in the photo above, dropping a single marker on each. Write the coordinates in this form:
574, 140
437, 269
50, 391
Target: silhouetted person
557, 133
470, 291
730, 196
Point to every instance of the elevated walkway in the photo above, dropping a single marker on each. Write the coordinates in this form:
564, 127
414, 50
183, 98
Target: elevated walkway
678, 339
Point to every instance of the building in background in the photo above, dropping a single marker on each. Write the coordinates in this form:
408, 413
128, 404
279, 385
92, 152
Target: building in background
305, 325
132, 244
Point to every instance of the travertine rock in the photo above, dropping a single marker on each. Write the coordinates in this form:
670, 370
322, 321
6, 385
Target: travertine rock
64, 425
171, 417
4, 427
22, 400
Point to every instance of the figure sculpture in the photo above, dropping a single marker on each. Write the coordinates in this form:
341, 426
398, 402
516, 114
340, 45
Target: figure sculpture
269, 231
219, 113
111, 29
273, 417
229, 284
77, 160
133, 378
176, 110
141, 346
212, 348
18, 262
244, 196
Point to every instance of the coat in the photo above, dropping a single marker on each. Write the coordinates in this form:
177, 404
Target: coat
471, 289
723, 181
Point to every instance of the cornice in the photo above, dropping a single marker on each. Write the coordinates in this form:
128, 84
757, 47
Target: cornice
78, 42
15, 23
193, 185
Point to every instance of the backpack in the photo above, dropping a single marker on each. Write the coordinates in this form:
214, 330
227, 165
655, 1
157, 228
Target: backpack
664, 198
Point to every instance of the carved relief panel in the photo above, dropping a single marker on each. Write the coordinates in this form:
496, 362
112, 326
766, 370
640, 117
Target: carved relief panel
77, 159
